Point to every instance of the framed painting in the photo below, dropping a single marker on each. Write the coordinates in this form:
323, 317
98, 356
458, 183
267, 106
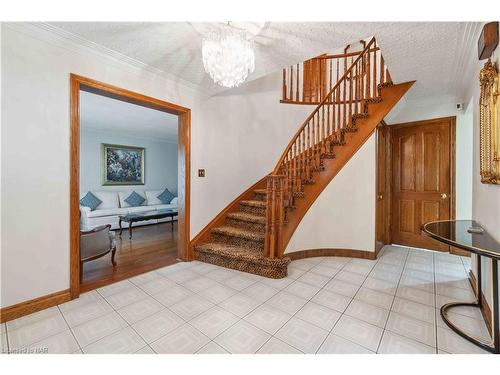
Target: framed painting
123, 165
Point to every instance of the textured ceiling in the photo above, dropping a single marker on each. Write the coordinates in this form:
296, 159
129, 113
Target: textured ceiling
111, 115
434, 53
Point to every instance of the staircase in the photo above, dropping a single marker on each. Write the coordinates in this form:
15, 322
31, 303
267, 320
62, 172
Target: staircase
251, 234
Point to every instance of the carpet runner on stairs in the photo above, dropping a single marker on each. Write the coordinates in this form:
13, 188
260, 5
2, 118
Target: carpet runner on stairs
239, 244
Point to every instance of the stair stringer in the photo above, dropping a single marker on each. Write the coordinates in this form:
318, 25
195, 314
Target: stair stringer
205, 234
353, 141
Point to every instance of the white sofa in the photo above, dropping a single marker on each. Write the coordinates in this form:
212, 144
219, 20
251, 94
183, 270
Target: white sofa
113, 205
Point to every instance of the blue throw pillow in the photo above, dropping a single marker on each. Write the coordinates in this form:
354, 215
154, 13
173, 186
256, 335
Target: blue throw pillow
134, 199
90, 201
166, 196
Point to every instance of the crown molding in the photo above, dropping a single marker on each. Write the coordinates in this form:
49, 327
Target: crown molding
62, 38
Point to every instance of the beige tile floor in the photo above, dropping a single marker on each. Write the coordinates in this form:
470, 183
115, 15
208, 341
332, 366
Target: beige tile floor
325, 305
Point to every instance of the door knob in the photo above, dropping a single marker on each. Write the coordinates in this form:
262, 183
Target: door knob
380, 196
444, 195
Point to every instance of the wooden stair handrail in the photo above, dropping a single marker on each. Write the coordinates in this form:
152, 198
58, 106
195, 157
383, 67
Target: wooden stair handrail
304, 124
326, 127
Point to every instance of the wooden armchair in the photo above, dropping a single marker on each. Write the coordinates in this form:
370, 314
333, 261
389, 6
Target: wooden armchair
96, 243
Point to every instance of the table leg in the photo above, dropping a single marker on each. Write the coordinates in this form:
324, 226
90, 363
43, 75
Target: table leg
120, 224
172, 222
130, 229
496, 323
478, 304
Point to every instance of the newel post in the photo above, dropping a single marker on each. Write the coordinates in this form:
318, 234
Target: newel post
274, 215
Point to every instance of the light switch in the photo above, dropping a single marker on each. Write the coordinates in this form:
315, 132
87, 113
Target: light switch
201, 173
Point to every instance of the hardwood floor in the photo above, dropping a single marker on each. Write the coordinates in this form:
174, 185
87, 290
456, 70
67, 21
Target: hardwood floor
151, 247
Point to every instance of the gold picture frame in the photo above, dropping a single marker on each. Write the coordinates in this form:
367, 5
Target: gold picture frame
122, 165
489, 131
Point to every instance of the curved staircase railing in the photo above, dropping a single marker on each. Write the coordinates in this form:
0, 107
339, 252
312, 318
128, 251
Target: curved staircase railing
310, 81
324, 128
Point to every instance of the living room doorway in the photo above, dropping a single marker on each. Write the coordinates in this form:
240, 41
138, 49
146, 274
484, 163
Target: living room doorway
129, 184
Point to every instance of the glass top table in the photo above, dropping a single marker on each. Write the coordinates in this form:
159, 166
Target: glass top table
134, 217
468, 235
456, 233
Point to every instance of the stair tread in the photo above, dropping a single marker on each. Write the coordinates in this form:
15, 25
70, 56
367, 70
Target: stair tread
260, 191
240, 253
232, 251
239, 232
245, 216
253, 203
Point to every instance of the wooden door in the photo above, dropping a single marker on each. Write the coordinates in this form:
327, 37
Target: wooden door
422, 183
382, 205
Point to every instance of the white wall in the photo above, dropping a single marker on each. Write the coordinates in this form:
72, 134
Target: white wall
463, 169
237, 137
343, 216
35, 150
243, 135
160, 159
486, 197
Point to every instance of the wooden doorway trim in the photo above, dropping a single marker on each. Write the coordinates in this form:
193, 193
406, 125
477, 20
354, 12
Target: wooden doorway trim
78, 83
452, 157
383, 187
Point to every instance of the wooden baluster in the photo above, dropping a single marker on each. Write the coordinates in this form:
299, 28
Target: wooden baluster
333, 113
322, 128
351, 89
299, 161
311, 81
291, 82
382, 69
290, 181
374, 78
368, 75
318, 138
356, 88
280, 217
308, 149
284, 84
297, 84
294, 175
297, 157
330, 80
337, 75
328, 124
344, 101
338, 98
304, 155
287, 179
363, 76
313, 146
320, 79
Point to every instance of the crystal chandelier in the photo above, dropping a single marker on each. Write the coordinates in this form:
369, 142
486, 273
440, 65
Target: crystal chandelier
228, 56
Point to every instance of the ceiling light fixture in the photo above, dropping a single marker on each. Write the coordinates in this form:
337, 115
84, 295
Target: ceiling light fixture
228, 56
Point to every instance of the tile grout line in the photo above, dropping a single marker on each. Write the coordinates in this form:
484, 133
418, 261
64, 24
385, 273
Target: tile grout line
69, 328
310, 300
343, 313
435, 302
393, 298
292, 315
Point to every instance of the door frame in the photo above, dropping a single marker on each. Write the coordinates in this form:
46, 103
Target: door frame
383, 127
78, 83
389, 164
